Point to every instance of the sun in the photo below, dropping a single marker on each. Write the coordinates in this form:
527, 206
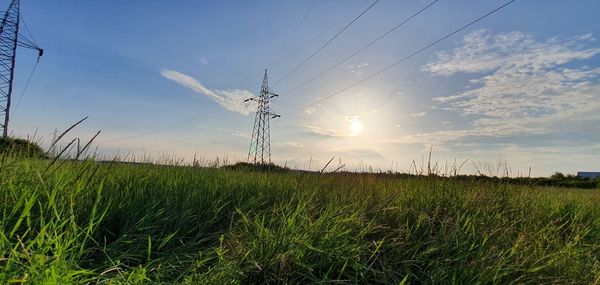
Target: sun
356, 127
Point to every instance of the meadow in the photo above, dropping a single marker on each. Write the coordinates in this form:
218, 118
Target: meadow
78, 222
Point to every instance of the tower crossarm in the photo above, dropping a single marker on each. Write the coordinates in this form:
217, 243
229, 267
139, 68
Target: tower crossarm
27, 43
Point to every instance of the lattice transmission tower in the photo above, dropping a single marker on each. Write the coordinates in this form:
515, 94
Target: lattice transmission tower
260, 145
9, 40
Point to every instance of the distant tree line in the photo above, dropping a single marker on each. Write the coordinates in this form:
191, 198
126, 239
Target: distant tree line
555, 180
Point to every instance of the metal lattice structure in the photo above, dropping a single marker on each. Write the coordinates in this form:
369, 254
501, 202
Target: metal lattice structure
260, 145
9, 40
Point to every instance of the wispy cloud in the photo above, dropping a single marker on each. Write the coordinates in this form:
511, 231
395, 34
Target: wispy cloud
326, 132
442, 137
310, 111
523, 86
419, 114
359, 152
290, 144
356, 68
482, 51
235, 133
231, 99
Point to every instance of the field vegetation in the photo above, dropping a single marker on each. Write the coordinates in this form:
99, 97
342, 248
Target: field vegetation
68, 221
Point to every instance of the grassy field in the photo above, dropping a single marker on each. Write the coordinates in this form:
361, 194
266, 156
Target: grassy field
88, 222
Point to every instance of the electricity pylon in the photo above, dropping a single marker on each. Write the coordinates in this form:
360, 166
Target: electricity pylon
260, 145
9, 40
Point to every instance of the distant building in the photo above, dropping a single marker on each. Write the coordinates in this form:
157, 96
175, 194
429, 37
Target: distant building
591, 175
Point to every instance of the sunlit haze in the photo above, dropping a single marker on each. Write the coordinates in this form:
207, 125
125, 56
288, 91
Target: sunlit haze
520, 87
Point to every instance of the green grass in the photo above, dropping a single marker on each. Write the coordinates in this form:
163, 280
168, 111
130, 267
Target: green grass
88, 222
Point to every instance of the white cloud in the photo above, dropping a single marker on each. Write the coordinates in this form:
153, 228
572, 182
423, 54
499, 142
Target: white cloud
290, 144
326, 132
358, 152
356, 68
310, 111
231, 99
442, 137
483, 52
236, 133
419, 114
524, 85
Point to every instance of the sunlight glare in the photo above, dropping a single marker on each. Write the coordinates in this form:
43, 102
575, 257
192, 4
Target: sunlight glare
356, 126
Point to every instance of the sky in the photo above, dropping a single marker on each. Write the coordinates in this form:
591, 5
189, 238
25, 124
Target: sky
516, 93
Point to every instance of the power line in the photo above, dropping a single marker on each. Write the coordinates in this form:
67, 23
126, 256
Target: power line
205, 134
183, 139
25, 87
169, 127
300, 46
27, 28
361, 49
275, 56
293, 33
316, 36
395, 63
143, 134
405, 58
325, 44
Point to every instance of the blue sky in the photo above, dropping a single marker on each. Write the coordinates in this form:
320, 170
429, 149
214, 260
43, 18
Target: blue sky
520, 87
